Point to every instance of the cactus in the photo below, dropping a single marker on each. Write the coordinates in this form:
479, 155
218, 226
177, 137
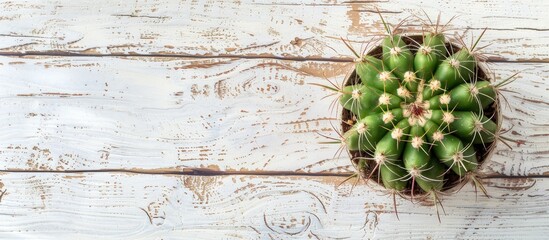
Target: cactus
424, 113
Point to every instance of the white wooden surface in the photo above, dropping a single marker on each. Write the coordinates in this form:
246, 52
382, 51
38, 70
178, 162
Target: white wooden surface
126, 206
194, 119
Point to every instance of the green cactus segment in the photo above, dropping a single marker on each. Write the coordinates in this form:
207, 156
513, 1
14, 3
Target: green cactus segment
472, 96
368, 68
351, 98
416, 155
390, 147
425, 63
437, 42
386, 81
429, 55
366, 133
431, 178
432, 89
432, 130
456, 69
420, 114
440, 102
451, 151
387, 154
486, 94
363, 100
393, 175
397, 55
373, 73
474, 128
442, 118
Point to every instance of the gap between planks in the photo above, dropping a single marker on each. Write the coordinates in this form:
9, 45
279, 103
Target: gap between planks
233, 56
210, 172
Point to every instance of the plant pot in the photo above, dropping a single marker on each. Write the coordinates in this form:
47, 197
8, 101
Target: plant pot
452, 180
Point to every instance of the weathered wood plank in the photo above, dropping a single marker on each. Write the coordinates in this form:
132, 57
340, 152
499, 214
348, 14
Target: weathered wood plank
122, 206
518, 29
78, 113
89, 113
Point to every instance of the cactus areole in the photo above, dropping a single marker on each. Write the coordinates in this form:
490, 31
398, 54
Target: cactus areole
420, 115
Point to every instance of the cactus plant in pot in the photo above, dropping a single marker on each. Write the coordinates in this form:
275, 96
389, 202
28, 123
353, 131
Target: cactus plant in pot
420, 113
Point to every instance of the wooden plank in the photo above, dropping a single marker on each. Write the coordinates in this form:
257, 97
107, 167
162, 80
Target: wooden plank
84, 113
285, 29
89, 113
128, 206
525, 116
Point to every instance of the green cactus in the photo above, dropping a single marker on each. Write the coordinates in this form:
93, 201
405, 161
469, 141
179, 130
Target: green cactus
420, 109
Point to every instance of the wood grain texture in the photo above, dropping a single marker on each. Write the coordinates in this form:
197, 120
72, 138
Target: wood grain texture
136, 96
85, 113
127, 206
283, 29
90, 113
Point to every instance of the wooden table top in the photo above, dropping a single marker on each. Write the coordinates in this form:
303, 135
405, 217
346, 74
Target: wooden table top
159, 119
